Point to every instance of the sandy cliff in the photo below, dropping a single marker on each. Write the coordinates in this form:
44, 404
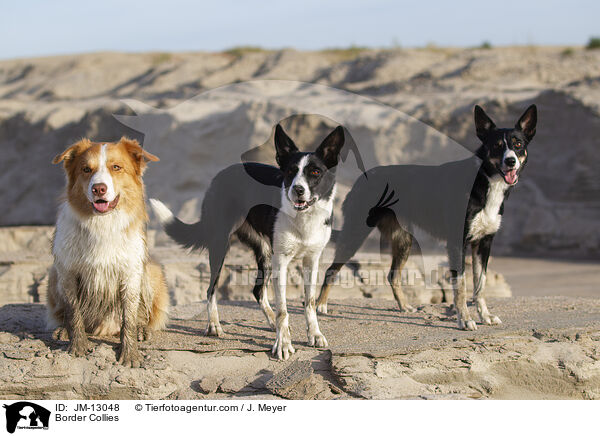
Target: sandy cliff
48, 103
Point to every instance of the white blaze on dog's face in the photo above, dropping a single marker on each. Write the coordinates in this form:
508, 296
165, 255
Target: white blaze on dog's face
308, 177
102, 176
505, 150
101, 189
510, 160
298, 191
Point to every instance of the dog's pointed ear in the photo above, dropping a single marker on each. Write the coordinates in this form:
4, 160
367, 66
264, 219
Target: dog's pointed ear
284, 145
527, 122
330, 148
138, 154
483, 123
71, 152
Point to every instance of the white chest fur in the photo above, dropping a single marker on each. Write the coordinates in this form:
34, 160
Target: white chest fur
488, 220
299, 233
98, 242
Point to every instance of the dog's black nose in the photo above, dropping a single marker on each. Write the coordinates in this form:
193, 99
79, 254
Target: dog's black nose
99, 189
299, 190
510, 161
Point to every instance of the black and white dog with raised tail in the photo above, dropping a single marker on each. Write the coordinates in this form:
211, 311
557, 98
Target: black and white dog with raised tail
460, 202
280, 214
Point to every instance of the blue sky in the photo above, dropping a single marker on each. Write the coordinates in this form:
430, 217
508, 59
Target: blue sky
44, 27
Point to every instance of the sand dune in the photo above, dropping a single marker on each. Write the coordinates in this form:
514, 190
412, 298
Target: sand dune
400, 106
48, 103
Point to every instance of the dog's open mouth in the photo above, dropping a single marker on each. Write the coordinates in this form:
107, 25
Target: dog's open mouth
103, 206
510, 177
303, 205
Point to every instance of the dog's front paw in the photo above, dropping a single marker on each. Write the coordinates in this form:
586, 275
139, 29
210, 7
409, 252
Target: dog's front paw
492, 320
130, 358
317, 340
80, 347
322, 308
60, 334
468, 324
214, 329
407, 308
283, 345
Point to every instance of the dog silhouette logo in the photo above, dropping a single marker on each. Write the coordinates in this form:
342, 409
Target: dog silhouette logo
26, 415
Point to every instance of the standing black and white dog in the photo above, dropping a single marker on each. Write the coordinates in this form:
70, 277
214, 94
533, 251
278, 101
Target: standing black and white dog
281, 214
445, 202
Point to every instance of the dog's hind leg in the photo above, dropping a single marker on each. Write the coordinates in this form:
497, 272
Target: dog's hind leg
261, 248
217, 251
154, 306
456, 260
401, 243
481, 254
263, 274
330, 276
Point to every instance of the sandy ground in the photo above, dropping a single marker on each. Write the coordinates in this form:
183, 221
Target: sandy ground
547, 348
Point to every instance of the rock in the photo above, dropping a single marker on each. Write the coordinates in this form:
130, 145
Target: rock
7, 338
24, 282
21, 241
287, 379
208, 385
303, 380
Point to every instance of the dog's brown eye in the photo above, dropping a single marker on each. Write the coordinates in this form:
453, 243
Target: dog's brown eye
518, 144
116, 167
87, 170
315, 172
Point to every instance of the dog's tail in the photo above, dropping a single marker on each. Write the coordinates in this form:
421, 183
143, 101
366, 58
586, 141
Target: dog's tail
384, 205
186, 235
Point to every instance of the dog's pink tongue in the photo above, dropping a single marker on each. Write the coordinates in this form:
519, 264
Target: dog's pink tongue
101, 207
510, 177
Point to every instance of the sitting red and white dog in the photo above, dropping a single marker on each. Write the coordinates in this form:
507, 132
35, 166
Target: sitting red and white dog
103, 281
